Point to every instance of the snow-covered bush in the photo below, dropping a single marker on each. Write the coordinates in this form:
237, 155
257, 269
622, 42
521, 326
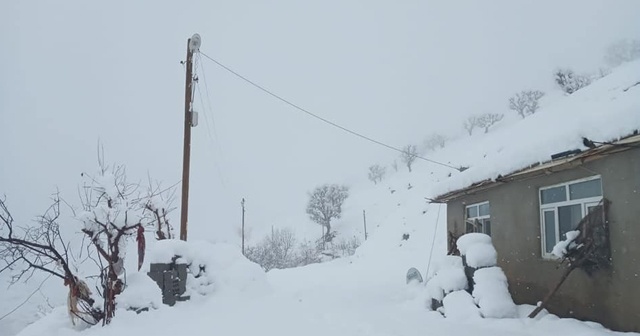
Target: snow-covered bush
467, 240
460, 305
448, 276
569, 81
471, 286
491, 293
141, 292
274, 251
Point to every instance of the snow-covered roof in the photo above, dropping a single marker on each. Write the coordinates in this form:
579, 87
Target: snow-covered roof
563, 163
608, 110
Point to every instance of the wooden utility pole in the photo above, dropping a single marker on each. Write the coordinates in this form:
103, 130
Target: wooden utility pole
242, 225
193, 45
364, 217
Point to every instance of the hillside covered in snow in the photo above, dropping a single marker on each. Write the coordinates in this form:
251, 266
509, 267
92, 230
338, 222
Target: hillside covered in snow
366, 293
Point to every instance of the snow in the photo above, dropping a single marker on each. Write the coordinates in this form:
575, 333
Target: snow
613, 100
481, 255
460, 305
445, 281
469, 239
491, 293
561, 248
221, 267
366, 294
141, 292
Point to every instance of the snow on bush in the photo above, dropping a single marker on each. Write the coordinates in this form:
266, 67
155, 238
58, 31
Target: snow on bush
481, 255
141, 292
561, 248
460, 305
491, 293
212, 267
450, 277
469, 239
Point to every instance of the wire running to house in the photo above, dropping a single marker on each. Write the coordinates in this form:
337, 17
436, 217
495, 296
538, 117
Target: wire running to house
433, 242
297, 107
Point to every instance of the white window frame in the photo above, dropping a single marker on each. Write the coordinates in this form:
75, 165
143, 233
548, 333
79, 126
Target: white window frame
478, 217
585, 203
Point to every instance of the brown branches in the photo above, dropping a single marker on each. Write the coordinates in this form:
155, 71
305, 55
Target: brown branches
589, 251
41, 248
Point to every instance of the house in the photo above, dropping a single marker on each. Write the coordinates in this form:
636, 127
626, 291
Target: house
527, 212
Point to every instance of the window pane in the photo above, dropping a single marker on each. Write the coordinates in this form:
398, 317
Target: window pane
487, 226
568, 217
585, 189
469, 227
472, 211
553, 195
484, 209
549, 230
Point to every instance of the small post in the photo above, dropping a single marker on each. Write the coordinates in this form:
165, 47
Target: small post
364, 217
242, 225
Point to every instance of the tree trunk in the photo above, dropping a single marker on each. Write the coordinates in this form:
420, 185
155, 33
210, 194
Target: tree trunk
545, 301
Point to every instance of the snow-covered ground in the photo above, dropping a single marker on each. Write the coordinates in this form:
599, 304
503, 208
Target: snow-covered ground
366, 294
351, 296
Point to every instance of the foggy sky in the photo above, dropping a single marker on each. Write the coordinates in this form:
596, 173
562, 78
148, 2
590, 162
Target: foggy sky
75, 73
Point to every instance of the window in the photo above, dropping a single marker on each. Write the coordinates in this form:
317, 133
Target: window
478, 218
563, 206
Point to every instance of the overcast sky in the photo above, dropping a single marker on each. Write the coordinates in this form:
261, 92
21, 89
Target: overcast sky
77, 73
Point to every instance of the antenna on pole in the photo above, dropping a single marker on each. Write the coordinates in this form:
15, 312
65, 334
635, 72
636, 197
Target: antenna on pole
190, 120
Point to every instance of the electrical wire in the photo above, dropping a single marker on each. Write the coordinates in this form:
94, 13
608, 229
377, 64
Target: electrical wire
435, 231
297, 107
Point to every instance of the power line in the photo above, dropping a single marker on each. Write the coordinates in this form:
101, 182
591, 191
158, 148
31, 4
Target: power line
206, 121
263, 89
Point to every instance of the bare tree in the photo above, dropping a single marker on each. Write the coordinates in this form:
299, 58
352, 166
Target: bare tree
487, 120
26, 250
435, 141
394, 165
470, 124
325, 204
377, 173
112, 211
525, 102
569, 81
622, 51
409, 155
158, 206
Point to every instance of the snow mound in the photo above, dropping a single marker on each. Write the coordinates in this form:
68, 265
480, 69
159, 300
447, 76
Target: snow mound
460, 305
447, 279
141, 292
470, 239
481, 255
212, 267
491, 293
